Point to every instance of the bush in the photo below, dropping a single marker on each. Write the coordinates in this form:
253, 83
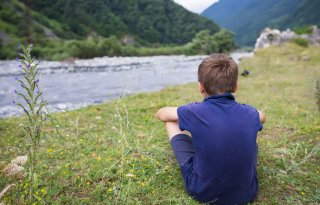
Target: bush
301, 42
303, 30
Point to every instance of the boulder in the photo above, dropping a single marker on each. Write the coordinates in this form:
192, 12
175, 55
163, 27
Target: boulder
270, 37
267, 38
314, 37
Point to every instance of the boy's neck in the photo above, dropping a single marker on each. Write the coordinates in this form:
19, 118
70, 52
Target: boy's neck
205, 94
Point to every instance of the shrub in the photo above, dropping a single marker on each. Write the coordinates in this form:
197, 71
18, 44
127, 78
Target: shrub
301, 42
303, 30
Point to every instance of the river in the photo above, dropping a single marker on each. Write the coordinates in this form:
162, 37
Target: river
71, 85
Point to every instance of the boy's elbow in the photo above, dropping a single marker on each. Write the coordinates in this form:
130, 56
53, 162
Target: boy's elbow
159, 114
262, 117
167, 114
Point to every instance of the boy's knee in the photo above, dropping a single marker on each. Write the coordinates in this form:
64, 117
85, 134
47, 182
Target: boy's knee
173, 129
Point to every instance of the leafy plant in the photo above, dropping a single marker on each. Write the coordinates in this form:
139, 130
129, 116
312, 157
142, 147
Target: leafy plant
301, 42
33, 105
302, 30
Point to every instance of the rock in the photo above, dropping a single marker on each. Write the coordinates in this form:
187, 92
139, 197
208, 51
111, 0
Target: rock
314, 37
287, 35
275, 37
20, 160
305, 58
267, 38
245, 73
13, 169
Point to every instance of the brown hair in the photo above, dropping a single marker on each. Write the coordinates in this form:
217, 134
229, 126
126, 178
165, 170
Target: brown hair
218, 74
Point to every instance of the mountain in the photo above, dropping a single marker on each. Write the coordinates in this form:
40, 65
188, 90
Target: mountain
247, 18
148, 21
306, 14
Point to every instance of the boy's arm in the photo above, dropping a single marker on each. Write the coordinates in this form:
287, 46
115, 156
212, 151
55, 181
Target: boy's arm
167, 114
262, 116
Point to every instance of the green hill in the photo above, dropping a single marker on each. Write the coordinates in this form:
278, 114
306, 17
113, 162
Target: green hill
306, 14
148, 21
61, 29
249, 17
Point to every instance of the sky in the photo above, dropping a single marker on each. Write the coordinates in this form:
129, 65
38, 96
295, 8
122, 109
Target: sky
196, 6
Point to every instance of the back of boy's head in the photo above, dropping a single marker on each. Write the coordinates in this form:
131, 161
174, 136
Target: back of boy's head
218, 74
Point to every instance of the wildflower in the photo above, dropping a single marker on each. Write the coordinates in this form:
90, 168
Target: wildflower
44, 119
130, 175
20, 66
29, 66
110, 190
14, 102
37, 81
20, 54
50, 150
15, 91
88, 183
99, 158
302, 193
17, 59
44, 191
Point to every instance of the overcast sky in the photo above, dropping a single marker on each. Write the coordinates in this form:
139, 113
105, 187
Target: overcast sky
196, 6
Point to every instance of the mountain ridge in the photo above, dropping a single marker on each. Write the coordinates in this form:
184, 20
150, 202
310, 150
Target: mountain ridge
248, 18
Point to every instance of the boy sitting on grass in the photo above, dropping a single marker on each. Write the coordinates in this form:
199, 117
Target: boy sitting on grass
218, 160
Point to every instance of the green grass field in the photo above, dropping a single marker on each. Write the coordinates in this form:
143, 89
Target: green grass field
118, 153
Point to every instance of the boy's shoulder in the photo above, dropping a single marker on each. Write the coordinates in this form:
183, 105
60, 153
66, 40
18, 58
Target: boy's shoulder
206, 109
198, 106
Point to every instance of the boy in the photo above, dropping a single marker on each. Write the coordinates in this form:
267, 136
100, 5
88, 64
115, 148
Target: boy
218, 161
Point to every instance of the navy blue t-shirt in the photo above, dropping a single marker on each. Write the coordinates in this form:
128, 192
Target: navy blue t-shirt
224, 132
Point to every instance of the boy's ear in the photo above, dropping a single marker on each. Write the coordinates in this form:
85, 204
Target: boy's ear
236, 88
201, 88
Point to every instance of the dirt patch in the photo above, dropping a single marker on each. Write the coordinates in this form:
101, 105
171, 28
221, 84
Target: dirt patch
277, 132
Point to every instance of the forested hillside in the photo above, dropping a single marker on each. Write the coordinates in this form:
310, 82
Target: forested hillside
306, 14
248, 17
61, 29
149, 21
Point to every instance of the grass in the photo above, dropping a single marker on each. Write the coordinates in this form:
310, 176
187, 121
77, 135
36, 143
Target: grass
118, 153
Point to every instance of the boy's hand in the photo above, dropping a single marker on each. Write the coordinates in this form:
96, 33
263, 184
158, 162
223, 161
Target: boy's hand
262, 116
167, 114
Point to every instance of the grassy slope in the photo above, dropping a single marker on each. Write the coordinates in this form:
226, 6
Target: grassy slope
103, 158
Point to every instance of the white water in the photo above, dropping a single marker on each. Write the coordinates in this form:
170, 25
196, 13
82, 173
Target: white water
84, 82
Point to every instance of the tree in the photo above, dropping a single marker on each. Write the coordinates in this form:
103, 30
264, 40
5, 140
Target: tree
204, 43
225, 40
